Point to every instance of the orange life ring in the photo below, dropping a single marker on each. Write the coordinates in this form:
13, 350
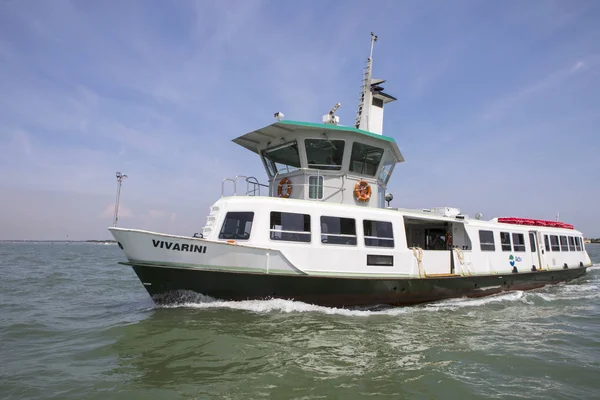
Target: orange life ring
288, 190
362, 191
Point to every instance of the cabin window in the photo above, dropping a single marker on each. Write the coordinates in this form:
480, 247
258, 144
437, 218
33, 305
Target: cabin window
365, 159
315, 187
377, 102
563, 244
283, 158
571, 243
336, 230
324, 154
518, 242
578, 243
290, 227
380, 260
547, 242
237, 226
554, 243
532, 241
505, 240
378, 234
486, 240
386, 171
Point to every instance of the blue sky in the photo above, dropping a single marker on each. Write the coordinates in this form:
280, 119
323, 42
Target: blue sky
498, 105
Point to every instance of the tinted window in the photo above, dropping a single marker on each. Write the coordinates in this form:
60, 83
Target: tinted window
380, 260
386, 171
324, 154
336, 230
365, 159
237, 225
547, 242
486, 239
315, 187
505, 240
283, 158
571, 243
518, 242
378, 234
563, 244
532, 241
554, 243
578, 243
290, 227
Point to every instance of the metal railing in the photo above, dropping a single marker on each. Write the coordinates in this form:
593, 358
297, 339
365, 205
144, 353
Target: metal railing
252, 185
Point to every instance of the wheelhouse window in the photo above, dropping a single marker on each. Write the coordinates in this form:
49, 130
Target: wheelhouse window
572, 243
237, 226
554, 243
532, 241
547, 242
365, 159
505, 240
563, 244
290, 227
283, 158
336, 230
386, 171
315, 187
378, 234
486, 240
324, 154
578, 243
518, 242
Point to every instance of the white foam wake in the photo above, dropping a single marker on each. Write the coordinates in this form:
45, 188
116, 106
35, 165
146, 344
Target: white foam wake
285, 306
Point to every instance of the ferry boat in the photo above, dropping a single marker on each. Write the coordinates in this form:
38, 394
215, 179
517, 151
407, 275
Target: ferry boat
320, 230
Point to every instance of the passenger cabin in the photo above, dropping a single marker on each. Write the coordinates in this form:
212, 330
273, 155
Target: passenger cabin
323, 162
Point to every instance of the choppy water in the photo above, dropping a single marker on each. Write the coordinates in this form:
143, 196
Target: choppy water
75, 324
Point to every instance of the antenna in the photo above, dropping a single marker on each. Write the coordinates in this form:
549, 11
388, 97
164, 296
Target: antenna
365, 96
120, 178
373, 40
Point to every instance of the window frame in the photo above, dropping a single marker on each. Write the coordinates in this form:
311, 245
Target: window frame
489, 246
303, 233
318, 187
274, 164
532, 241
554, 247
378, 238
571, 241
564, 246
325, 167
506, 246
362, 169
225, 223
547, 242
338, 235
518, 247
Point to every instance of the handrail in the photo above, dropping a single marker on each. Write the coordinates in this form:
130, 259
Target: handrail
253, 185
223, 185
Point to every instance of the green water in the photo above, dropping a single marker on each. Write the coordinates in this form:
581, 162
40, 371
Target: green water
74, 324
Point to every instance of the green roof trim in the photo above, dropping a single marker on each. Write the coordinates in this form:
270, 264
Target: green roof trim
338, 128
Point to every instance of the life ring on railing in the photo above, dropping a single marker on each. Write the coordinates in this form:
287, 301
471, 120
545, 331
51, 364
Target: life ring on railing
285, 193
362, 191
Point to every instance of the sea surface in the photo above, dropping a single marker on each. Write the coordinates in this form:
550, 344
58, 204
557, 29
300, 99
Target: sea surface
74, 324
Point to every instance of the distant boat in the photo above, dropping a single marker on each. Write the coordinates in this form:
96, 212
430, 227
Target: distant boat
320, 231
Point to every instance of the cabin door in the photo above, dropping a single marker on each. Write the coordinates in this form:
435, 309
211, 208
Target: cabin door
537, 249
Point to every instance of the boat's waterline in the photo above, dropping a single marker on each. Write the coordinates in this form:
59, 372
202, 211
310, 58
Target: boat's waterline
164, 282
